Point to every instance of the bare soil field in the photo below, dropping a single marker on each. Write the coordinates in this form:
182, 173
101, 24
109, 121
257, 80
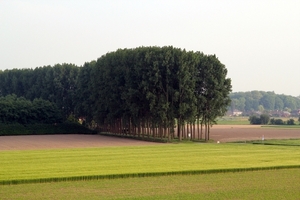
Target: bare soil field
229, 133
222, 133
28, 142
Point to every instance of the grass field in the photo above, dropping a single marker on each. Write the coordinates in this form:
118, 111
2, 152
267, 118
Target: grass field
244, 121
281, 126
270, 184
55, 165
166, 171
233, 121
286, 142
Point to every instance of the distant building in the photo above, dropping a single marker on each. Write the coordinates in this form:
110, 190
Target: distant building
236, 113
295, 113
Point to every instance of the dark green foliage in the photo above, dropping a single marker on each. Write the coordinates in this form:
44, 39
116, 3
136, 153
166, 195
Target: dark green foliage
146, 91
23, 111
249, 101
279, 122
151, 87
264, 118
56, 84
254, 120
41, 129
290, 122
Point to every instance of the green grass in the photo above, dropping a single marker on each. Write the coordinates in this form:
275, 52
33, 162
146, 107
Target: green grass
286, 142
270, 184
233, 121
164, 159
282, 126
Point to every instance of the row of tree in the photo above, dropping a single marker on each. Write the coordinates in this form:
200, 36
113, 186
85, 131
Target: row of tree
146, 91
265, 119
149, 90
259, 100
56, 84
19, 110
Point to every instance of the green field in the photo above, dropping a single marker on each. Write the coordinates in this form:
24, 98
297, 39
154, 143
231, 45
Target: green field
233, 121
270, 184
286, 142
137, 171
35, 165
282, 126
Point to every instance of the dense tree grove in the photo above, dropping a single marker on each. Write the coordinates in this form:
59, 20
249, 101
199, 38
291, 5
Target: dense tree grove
23, 111
56, 84
148, 91
145, 92
257, 100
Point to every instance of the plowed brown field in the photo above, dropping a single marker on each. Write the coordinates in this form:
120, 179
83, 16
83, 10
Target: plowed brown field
226, 133
222, 133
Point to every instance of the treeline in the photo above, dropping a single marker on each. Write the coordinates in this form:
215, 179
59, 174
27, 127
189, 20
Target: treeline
259, 101
265, 119
56, 84
19, 110
144, 92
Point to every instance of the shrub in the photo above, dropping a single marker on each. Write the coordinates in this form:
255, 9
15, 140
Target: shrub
263, 119
290, 122
254, 120
40, 129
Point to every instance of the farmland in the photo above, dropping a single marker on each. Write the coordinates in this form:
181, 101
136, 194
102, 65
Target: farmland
270, 184
124, 168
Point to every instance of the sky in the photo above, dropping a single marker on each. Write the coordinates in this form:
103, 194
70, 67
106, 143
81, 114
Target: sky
257, 40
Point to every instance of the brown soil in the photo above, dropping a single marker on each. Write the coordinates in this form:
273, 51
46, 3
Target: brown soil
221, 133
226, 133
64, 141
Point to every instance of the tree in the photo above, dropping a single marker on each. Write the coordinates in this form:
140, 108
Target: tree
254, 120
264, 118
213, 89
290, 122
268, 101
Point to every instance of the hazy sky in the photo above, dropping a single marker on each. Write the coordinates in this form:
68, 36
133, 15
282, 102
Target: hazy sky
257, 40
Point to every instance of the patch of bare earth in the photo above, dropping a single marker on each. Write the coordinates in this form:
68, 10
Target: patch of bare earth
222, 133
28, 142
228, 133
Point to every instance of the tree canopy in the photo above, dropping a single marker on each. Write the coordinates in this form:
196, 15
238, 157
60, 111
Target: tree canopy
256, 100
152, 88
145, 91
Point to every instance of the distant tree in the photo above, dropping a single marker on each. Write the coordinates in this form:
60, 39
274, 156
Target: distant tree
272, 121
279, 122
299, 119
254, 120
264, 118
268, 101
279, 105
290, 122
261, 108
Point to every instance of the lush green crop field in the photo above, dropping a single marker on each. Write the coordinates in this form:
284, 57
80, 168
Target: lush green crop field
114, 162
269, 184
281, 126
233, 121
287, 142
